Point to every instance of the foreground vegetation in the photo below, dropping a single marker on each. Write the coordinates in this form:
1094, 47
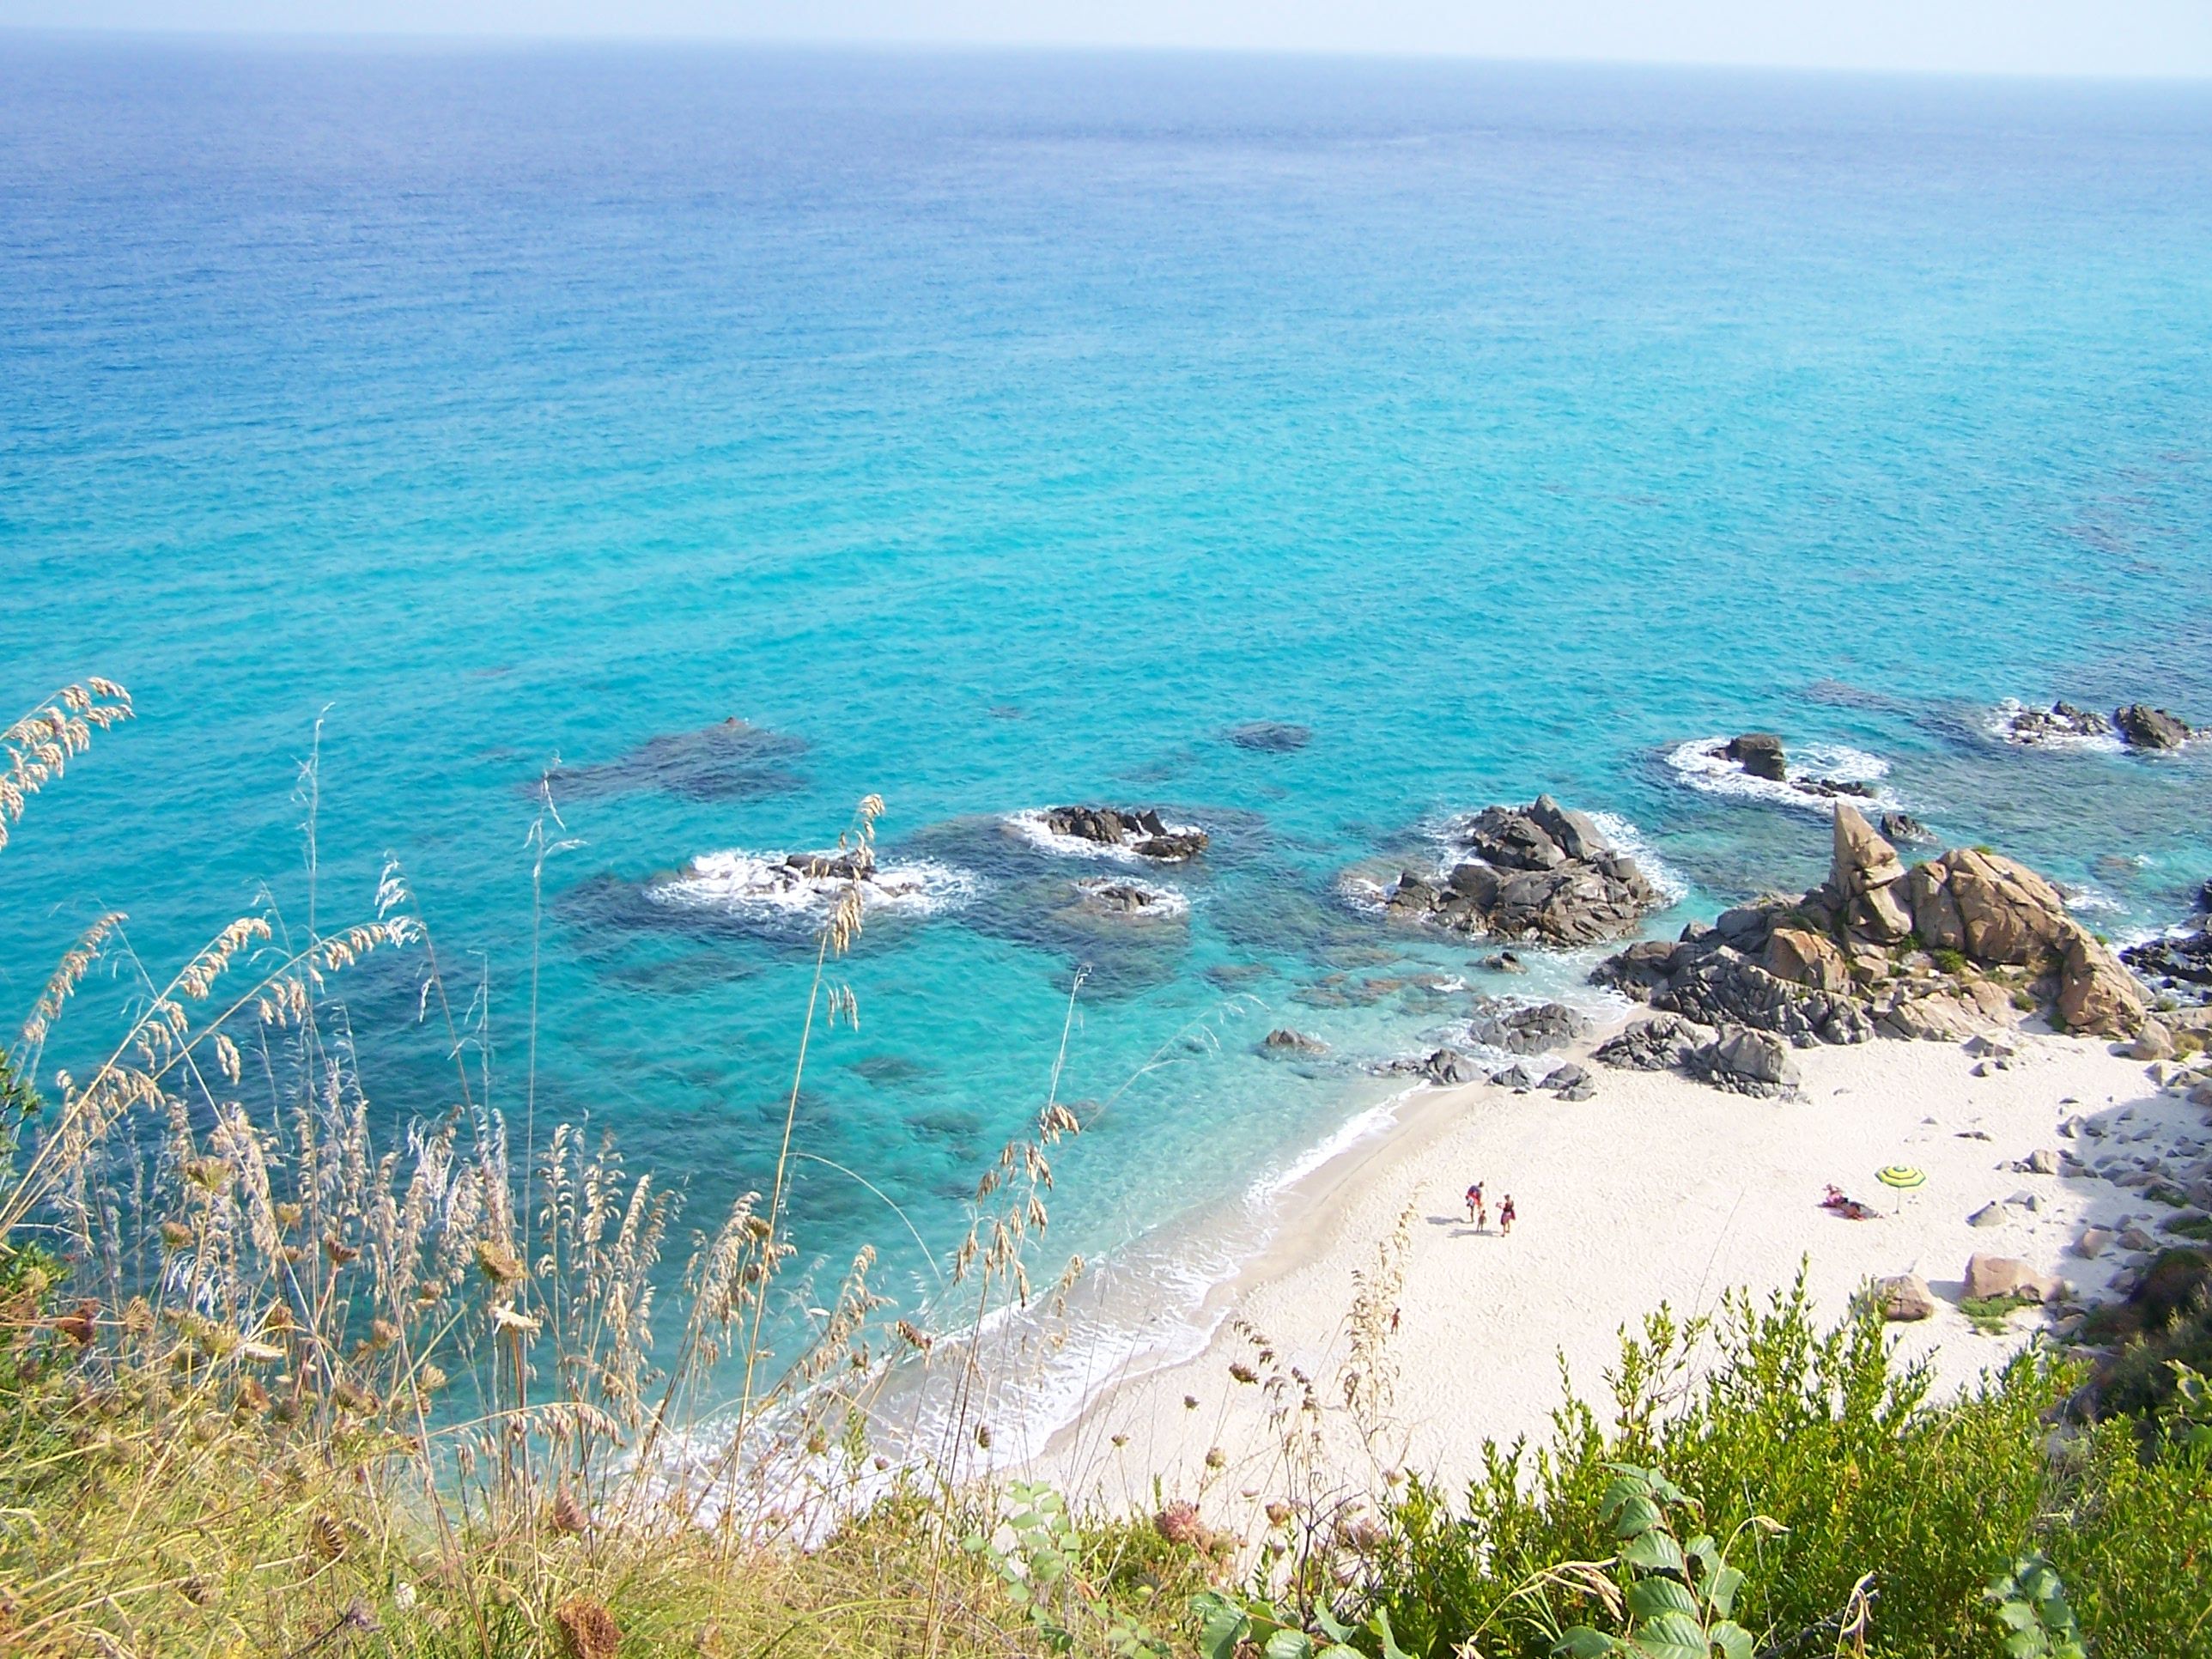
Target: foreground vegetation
271, 1386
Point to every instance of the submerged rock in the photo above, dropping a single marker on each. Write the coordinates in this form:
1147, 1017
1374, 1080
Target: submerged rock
1539, 872
1269, 736
1284, 1040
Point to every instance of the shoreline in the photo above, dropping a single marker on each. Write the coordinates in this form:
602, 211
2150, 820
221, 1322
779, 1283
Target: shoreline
1658, 1190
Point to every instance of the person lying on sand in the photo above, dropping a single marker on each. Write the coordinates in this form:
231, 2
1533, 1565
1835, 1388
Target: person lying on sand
1850, 1209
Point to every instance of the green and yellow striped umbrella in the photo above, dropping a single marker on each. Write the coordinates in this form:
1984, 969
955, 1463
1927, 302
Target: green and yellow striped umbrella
1903, 1176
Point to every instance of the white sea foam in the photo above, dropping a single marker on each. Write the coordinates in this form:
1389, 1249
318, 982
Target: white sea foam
1167, 903
1696, 765
765, 886
1029, 824
1997, 723
1626, 837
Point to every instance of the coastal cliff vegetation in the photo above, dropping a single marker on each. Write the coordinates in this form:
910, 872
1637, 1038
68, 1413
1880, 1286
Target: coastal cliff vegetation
275, 1378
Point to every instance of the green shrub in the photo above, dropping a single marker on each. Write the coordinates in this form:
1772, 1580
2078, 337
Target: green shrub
1759, 1415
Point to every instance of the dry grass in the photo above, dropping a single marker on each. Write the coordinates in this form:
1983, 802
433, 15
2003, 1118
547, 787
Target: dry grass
313, 1390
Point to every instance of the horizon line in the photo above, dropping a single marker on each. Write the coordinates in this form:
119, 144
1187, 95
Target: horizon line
461, 40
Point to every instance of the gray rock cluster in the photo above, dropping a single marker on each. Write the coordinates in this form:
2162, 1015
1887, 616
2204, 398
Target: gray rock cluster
1538, 871
2139, 725
1735, 1058
1529, 1029
2059, 722
1141, 829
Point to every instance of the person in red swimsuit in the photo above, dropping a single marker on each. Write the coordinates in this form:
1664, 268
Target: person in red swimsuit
1505, 1215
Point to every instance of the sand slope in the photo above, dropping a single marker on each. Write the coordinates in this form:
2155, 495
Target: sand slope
1658, 1190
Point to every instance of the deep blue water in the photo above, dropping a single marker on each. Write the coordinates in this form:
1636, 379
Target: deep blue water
1000, 429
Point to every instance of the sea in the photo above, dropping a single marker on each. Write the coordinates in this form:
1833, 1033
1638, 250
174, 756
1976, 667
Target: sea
1314, 449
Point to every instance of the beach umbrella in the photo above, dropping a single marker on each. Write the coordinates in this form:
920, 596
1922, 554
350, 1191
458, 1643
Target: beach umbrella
1902, 1176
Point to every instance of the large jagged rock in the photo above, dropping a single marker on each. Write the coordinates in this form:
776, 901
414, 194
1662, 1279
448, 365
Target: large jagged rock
1539, 872
1746, 1062
1703, 978
2096, 995
1660, 1044
2146, 727
1863, 860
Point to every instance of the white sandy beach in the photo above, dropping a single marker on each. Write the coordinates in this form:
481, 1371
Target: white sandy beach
1659, 1190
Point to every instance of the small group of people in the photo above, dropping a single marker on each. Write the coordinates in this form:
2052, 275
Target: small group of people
1478, 1210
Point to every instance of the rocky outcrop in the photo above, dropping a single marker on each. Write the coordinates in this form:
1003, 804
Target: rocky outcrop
2146, 727
1526, 1029
1140, 830
1942, 949
1538, 871
1284, 1040
1746, 1062
1709, 975
2061, 721
1759, 753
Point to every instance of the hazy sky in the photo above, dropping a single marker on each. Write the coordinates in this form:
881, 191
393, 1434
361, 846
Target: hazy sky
2095, 37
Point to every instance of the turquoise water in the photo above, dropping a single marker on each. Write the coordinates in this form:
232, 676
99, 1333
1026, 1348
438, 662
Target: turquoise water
1000, 430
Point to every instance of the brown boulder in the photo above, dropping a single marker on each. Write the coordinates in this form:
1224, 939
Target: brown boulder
1905, 1297
2004, 1275
2006, 912
1934, 911
1863, 861
2095, 994
1806, 958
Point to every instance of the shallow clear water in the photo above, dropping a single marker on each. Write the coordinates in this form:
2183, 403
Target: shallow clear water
1002, 429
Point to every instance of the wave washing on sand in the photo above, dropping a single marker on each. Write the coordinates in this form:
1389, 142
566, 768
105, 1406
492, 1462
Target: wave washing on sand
784, 886
1696, 764
1029, 824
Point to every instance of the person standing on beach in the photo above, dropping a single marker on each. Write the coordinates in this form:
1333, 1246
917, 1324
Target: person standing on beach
1477, 1212
1505, 1215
